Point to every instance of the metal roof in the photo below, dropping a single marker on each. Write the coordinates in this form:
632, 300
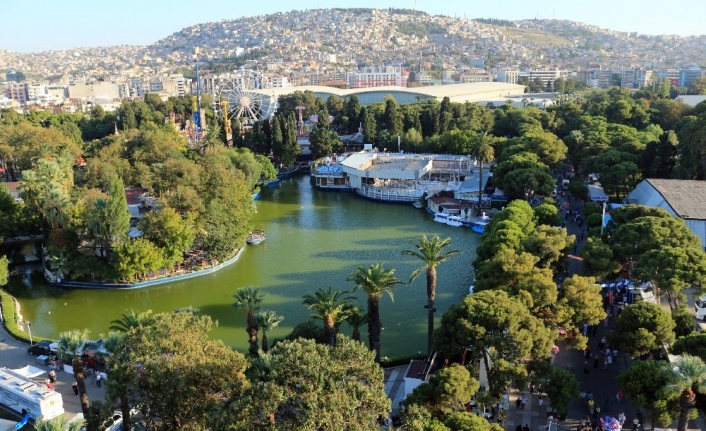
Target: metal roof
686, 197
433, 91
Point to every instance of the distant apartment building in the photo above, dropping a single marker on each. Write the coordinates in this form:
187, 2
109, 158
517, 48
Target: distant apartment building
673, 75
595, 76
17, 91
377, 77
37, 91
688, 76
280, 81
636, 78
546, 75
58, 91
94, 90
469, 77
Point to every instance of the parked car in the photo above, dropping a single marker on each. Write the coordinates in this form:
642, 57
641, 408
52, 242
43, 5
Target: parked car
42, 348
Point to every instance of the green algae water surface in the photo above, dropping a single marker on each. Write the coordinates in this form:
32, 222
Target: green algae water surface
315, 239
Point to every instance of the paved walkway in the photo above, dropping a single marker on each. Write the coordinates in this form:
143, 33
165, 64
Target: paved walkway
13, 354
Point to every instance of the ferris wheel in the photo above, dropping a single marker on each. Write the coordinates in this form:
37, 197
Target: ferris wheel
247, 95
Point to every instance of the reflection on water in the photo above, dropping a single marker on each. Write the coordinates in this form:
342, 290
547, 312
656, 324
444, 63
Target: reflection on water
314, 239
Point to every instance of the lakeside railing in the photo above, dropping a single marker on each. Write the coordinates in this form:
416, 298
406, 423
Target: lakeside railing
390, 194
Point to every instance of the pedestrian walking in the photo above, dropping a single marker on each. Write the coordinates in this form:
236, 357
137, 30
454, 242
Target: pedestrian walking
635, 424
517, 403
524, 402
590, 406
585, 367
98, 379
619, 396
74, 386
541, 400
582, 398
595, 362
605, 363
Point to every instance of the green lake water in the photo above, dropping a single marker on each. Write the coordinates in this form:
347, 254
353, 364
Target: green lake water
315, 239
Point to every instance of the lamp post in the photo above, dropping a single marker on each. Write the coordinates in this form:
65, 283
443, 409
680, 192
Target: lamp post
29, 330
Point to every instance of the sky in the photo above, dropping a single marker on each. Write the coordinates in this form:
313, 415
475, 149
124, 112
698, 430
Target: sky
40, 25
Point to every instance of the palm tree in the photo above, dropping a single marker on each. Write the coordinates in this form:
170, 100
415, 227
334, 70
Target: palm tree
70, 344
59, 423
132, 319
375, 282
117, 379
431, 252
689, 375
267, 321
211, 141
482, 150
355, 320
331, 307
249, 298
56, 206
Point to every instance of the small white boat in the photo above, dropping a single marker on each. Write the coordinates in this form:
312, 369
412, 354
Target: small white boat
441, 217
418, 205
454, 221
479, 227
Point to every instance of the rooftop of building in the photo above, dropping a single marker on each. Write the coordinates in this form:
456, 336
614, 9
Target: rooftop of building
433, 91
686, 197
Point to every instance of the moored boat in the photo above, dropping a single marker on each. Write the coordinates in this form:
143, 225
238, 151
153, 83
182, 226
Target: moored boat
255, 237
417, 205
454, 221
441, 217
479, 227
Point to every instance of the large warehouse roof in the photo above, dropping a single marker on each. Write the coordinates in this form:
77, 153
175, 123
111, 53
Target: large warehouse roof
472, 92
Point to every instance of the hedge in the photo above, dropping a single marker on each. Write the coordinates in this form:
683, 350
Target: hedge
10, 319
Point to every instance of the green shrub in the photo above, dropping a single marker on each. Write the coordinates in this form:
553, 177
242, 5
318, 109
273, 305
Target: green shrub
10, 319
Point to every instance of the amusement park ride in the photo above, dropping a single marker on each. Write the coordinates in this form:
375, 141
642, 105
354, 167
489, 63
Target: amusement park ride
243, 97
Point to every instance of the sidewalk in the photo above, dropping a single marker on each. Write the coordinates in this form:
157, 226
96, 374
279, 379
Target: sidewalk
13, 354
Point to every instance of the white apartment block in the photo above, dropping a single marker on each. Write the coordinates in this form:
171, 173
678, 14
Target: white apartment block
635, 78
469, 78
376, 77
546, 75
37, 91
280, 81
58, 91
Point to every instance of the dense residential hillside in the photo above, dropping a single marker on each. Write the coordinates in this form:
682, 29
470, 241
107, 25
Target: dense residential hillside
353, 37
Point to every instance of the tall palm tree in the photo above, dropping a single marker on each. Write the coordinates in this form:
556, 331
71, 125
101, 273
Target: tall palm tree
116, 379
355, 320
70, 344
59, 423
249, 298
211, 141
267, 321
375, 282
431, 252
482, 150
132, 319
56, 206
689, 376
331, 307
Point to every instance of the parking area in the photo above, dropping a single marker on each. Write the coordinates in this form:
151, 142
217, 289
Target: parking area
13, 355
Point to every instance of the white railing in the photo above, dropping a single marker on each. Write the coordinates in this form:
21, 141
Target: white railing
390, 195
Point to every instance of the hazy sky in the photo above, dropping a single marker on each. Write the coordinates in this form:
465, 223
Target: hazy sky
38, 25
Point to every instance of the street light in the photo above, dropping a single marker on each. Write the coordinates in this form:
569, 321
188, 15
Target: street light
29, 329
